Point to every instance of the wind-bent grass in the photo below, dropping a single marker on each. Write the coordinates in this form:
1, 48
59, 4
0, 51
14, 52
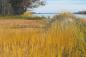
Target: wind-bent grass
60, 38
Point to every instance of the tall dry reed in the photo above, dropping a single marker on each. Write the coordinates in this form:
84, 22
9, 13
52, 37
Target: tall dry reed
60, 38
64, 35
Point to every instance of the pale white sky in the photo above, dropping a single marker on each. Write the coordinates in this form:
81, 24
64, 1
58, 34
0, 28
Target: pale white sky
54, 6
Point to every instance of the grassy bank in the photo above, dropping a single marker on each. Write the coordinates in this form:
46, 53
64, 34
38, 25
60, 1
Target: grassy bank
22, 17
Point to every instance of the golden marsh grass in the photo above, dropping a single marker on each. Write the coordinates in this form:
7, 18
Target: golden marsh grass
60, 38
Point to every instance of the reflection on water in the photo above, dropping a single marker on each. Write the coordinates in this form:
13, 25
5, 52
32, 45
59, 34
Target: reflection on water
45, 15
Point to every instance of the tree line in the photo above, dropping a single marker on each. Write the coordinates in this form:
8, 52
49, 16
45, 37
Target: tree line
18, 7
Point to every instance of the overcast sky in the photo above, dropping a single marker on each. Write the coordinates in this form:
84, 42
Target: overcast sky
54, 6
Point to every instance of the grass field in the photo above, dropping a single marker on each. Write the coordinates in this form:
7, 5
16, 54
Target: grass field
22, 17
60, 37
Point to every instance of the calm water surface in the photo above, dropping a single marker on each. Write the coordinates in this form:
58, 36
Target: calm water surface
51, 15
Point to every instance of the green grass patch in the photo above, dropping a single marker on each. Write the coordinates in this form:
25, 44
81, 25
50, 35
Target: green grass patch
23, 17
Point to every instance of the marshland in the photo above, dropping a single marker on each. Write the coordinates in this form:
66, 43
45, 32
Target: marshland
42, 28
63, 36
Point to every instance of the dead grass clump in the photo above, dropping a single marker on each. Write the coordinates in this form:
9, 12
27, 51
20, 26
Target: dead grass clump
65, 34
